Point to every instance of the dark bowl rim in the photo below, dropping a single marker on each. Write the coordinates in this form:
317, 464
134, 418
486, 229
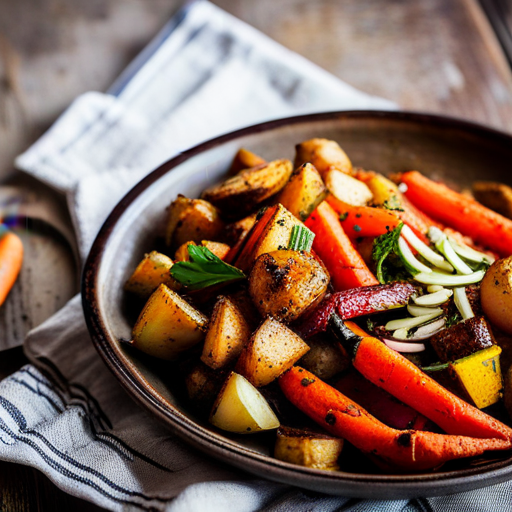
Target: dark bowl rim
351, 484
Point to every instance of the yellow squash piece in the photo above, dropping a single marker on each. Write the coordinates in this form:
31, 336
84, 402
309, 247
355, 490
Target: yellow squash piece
152, 271
241, 408
168, 325
480, 376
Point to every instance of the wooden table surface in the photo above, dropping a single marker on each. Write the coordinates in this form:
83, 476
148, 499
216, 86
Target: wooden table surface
431, 55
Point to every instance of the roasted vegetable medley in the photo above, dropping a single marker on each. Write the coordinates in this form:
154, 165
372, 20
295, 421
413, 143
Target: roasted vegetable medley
339, 307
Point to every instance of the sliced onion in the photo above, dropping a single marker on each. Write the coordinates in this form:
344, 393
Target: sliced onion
401, 346
427, 331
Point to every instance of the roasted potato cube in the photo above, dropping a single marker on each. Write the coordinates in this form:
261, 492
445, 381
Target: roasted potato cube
168, 325
219, 249
496, 294
272, 350
480, 376
192, 220
304, 192
152, 271
241, 408
227, 334
284, 284
324, 358
245, 159
307, 448
385, 192
270, 233
203, 385
496, 196
240, 194
347, 189
324, 154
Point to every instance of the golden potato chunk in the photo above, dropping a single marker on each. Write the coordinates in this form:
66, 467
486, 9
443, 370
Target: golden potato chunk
241, 408
272, 350
227, 334
307, 448
245, 159
271, 232
168, 325
496, 294
304, 192
347, 189
192, 220
152, 271
284, 284
240, 194
324, 154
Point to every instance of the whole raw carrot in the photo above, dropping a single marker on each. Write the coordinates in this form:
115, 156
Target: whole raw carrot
484, 226
363, 220
394, 373
410, 450
11, 257
344, 263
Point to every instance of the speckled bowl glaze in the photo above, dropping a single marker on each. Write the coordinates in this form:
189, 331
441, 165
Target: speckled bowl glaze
453, 150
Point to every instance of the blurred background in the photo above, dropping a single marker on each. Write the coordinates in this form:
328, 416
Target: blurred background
431, 55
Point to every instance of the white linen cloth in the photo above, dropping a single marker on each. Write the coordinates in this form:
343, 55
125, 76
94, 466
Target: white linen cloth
65, 414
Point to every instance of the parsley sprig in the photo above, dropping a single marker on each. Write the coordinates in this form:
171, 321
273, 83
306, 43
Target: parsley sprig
389, 266
204, 269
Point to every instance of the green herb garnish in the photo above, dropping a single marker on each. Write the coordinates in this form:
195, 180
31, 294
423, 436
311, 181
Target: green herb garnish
301, 239
343, 216
385, 254
435, 367
452, 320
393, 203
204, 269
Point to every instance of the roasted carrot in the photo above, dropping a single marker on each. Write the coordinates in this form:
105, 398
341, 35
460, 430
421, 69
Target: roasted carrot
344, 263
417, 220
484, 226
410, 450
363, 220
241, 251
381, 404
11, 258
394, 373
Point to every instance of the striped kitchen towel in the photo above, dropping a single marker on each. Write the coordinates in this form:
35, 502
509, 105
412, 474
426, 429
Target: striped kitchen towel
65, 414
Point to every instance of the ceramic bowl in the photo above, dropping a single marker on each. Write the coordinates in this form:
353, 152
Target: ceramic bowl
452, 150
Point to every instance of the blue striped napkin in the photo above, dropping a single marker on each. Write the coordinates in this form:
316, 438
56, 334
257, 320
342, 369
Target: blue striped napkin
65, 414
